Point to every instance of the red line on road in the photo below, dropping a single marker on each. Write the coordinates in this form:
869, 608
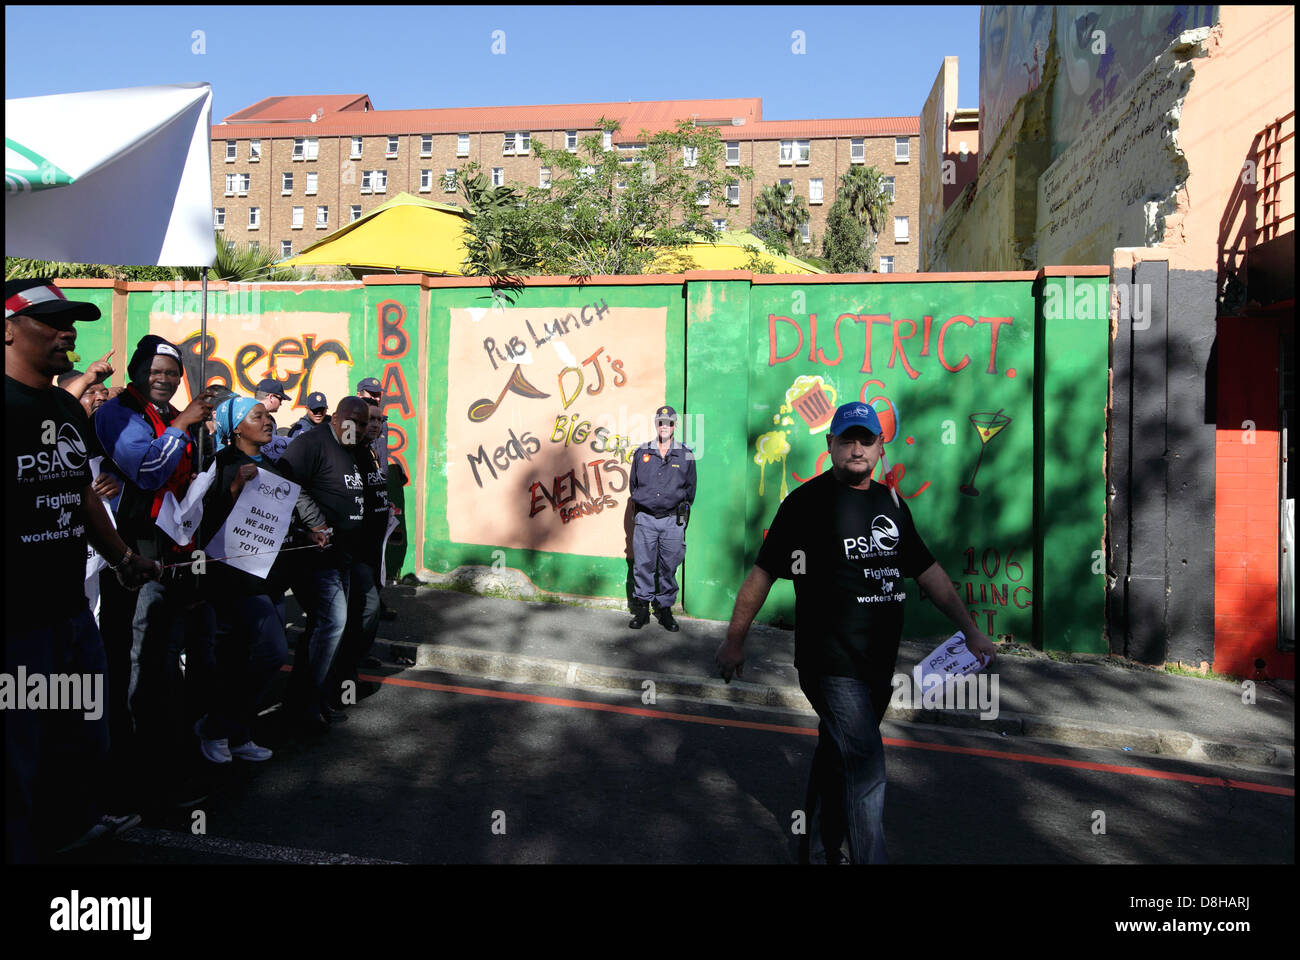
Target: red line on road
812, 732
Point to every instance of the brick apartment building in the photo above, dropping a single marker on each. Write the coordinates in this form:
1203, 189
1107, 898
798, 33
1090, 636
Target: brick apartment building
289, 170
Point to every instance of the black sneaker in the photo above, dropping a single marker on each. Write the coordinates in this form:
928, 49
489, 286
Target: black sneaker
107, 826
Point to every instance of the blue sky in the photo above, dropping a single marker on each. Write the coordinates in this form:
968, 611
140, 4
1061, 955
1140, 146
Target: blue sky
859, 61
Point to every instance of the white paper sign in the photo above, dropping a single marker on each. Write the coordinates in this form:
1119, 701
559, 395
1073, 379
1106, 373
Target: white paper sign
393, 523
948, 659
95, 562
180, 521
252, 535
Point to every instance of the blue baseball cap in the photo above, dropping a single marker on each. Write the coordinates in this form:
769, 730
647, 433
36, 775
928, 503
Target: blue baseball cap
855, 414
316, 401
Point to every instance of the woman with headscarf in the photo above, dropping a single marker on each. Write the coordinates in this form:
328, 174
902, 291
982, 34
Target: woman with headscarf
250, 616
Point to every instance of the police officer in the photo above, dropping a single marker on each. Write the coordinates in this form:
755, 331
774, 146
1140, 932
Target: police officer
663, 489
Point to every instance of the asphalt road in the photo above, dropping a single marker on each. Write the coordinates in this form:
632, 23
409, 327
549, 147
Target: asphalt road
458, 770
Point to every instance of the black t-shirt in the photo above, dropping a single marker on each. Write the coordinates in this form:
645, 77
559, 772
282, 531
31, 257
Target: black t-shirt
223, 579
848, 552
328, 473
49, 444
376, 496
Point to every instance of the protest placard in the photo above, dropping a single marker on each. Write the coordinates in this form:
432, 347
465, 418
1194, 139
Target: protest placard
252, 535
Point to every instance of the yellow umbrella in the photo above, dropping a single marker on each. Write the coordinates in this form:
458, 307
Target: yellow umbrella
728, 253
407, 233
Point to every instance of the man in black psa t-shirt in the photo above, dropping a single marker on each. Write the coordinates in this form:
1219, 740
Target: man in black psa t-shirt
849, 545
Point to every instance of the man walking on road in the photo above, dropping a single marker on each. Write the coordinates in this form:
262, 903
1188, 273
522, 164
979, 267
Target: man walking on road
847, 543
663, 489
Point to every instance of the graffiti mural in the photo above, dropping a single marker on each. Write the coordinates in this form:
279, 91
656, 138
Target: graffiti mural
538, 415
959, 363
307, 351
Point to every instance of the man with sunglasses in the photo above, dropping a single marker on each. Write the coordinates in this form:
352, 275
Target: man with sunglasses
847, 542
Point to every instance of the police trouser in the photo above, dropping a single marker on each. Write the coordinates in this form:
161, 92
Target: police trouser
658, 548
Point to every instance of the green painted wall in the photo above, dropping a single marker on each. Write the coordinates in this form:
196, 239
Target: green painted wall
994, 408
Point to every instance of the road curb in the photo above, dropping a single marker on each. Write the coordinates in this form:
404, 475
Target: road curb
515, 667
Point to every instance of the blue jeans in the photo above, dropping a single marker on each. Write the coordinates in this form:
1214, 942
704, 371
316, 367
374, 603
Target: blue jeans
250, 651
362, 625
322, 591
846, 790
54, 759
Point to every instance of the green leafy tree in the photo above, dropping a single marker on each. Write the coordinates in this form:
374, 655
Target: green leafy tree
239, 262
605, 212
23, 268
854, 221
778, 216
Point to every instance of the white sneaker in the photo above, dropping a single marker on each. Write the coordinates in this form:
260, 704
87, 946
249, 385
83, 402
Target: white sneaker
217, 751
107, 826
249, 751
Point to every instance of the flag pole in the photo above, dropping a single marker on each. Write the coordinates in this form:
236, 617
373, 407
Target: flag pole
203, 353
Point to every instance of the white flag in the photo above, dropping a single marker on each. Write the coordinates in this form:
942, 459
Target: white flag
94, 561
180, 520
252, 535
111, 176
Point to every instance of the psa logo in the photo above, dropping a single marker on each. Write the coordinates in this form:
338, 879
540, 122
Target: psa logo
278, 491
68, 453
884, 538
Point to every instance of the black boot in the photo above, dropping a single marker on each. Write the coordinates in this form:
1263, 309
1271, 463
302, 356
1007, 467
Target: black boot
640, 614
665, 617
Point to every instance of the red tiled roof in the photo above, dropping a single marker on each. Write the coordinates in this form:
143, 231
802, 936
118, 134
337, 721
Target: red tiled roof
850, 127
289, 109
581, 116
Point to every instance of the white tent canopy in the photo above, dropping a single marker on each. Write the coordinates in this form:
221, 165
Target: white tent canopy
111, 176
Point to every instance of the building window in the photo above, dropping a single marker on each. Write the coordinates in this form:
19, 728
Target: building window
702, 193
902, 150
787, 152
254, 217
322, 218
392, 148
426, 181
858, 151
802, 151
254, 151
356, 148
253, 245
305, 148
733, 153
516, 143
232, 181
607, 141
804, 233
286, 184
889, 187
449, 180
219, 218
585, 172
815, 190
462, 144
544, 178
356, 212
886, 264
498, 176
690, 156
311, 183
571, 141
374, 181
245, 182
900, 229
733, 193
787, 189
232, 146
426, 144
286, 248
296, 221
719, 224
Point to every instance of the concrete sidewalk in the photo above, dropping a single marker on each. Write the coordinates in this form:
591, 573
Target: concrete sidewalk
1100, 703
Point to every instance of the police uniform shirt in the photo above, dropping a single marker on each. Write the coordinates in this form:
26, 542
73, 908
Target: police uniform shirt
658, 483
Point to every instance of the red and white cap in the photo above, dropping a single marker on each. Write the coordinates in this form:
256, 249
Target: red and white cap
44, 301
